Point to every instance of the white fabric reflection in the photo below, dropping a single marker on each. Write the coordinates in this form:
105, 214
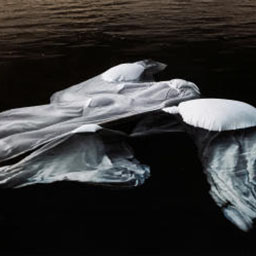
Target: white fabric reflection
229, 160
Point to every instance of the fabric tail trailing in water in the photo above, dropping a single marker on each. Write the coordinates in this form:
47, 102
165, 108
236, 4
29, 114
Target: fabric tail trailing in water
229, 159
87, 154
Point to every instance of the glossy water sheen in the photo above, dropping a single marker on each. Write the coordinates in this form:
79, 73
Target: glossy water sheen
210, 42
27, 24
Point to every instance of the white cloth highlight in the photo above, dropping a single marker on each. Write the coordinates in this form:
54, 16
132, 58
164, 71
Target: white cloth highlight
64, 139
216, 114
123, 73
225, 134
229, 160
87, 154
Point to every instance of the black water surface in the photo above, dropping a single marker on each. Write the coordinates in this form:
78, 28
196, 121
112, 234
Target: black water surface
48, 45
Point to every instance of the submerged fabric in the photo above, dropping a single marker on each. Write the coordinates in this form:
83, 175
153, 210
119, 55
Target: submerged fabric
229, 159
56, 136
87, 154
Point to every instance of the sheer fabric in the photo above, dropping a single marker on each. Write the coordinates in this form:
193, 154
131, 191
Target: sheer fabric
73, 138
56, 136
229, 161
225, 134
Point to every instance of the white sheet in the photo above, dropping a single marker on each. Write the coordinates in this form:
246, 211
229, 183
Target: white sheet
51, 131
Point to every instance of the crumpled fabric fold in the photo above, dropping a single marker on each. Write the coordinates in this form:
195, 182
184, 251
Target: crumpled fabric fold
87, 154
47, 136
74, 138
229, 160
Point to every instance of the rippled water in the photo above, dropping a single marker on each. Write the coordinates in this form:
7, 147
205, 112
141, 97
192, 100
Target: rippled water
28, 25
47, 45
60, 42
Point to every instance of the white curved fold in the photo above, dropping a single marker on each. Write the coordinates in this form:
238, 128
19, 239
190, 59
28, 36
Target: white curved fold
218, 114
86, 154
93, 101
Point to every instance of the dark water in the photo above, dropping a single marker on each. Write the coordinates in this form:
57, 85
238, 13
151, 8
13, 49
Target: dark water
46, 45
43, 29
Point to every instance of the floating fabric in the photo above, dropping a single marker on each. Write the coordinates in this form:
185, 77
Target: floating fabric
54, 140
75, 138
216, 114
225, 134
87, 154
138, 71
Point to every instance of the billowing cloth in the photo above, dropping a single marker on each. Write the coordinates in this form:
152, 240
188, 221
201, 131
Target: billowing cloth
75, 137
56, 142
86, 154
225, 134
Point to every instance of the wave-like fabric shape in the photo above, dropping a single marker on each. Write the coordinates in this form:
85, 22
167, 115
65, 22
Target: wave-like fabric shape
216, 114
225, 134
229, 161
87, 154
54, 137
74, 137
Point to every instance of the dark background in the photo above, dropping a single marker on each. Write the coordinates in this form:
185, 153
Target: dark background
48, 45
